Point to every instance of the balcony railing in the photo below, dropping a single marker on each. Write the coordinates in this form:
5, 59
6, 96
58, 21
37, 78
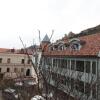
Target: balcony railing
14, 64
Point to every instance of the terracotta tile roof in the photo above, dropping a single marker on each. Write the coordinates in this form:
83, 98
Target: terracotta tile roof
90, 48
4, 50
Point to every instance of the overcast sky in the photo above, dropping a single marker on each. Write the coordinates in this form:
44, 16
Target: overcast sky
24, 17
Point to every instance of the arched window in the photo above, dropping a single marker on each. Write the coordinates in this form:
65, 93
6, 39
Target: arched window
61, 47
8, 69
8, 60
75, 44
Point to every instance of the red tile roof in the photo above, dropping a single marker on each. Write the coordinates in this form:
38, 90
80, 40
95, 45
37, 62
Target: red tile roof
4, 50
16, 51
90, 48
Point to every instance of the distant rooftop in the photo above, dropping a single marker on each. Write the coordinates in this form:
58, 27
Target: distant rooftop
4, 50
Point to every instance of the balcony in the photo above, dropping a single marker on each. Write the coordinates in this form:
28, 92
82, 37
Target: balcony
14, 64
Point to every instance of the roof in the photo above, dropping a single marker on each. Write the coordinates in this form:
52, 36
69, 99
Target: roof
4, 50
25, 51
46, 39
16, 51
90, 48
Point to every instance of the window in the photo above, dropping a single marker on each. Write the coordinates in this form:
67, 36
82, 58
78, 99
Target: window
8, 60
55, 47
64, 63
94, 67
54, 76
61, 47
50, 48
29, 61
54, 62
87, 66
68, 82
0, 70
80, 66
87, 89
0, 60
8, 69
63, 80
49, 61
15, 69
59, 63
68, 61
22, 69
72, 64
94, 91
72, 84
77, 85
28, 72
23, 61
75, 46
81, 86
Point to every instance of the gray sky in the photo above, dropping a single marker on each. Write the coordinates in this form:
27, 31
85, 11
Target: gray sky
24, 17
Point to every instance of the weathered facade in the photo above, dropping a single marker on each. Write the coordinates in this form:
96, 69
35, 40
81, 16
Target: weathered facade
71, 67
16, 64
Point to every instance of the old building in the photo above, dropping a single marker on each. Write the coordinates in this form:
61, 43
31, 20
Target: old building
15, 63
71, 67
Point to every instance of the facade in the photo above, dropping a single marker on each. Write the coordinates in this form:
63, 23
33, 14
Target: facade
15, 64
71, 67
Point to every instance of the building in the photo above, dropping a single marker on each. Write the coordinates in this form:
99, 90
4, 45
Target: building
15, 64
71, 66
